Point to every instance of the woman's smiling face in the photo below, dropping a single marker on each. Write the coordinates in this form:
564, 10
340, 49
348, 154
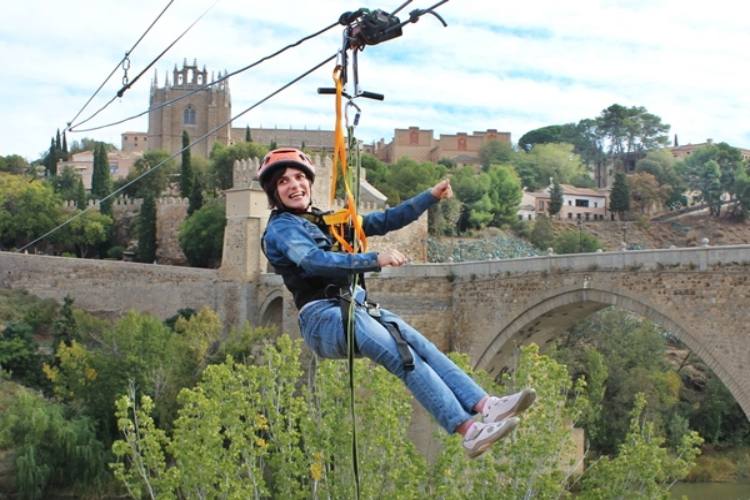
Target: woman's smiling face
293, 189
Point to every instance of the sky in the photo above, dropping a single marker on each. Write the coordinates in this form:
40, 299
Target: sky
510, 66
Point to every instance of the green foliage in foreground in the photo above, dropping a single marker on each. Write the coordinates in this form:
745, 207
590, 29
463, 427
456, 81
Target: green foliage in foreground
51, 450
251, 431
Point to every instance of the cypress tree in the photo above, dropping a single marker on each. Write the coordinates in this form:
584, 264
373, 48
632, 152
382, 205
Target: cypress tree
619, 198
186, 170
556, 198
196, 197
248, 136
65, 154
272, 146
101, 183
51, 160
81, 200
58, 142
147, 230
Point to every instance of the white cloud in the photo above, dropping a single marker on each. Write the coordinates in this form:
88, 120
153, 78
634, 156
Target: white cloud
511, 66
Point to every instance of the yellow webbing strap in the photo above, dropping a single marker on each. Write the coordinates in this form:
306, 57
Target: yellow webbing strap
340, 219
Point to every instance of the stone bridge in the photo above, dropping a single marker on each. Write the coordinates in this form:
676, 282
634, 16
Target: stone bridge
487, 309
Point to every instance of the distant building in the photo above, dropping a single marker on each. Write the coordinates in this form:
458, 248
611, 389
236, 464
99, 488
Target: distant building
578, 204
120, 163
421, 145
133, 142
202, 111
682, 152
199, 111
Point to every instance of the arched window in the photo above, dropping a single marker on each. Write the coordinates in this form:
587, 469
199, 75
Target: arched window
188, 117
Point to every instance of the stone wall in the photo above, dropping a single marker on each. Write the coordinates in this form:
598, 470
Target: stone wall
171, 211
111, 288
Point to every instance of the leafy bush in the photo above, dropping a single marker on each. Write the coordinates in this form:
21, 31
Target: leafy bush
51, 450
202, 235
19, 354
576, 242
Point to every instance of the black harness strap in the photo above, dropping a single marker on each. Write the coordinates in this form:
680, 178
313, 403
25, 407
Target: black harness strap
374, 311
401, 344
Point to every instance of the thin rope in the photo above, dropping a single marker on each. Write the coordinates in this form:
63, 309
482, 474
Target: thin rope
175, 155
208, 85
129, 84
117, 66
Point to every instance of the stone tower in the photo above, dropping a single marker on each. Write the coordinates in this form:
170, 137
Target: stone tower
198, 113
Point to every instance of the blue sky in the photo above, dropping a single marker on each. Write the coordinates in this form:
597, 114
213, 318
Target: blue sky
512, 66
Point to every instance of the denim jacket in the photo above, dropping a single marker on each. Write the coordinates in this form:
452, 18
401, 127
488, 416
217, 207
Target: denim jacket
296, 245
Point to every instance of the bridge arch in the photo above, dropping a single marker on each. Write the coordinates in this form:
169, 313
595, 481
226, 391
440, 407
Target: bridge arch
559, 310
271, 310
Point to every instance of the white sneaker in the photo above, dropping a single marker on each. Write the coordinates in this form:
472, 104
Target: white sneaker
497, 409
482, 435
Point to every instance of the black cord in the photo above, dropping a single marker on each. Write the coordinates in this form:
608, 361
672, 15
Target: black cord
204, 87
178, 153
127, 85
127, 54
398, 9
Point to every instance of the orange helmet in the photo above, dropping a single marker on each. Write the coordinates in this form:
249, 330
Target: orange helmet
282, 158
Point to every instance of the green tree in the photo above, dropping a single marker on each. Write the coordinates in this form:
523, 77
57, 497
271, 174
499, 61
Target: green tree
408, 178
742, 193
138, 348
19, 353
619, 198
556, 198
495, 153
549, 134
147, 230
444, 217
28, 209
710, 186
186, 171
630, 130
548, 161
161, 168
101, 180
80, 195
645, 192
633, 352
14, 164
202, 235
64, 150
50, 160
505, 194
52, 451
472, 190
542, 235
643, 467
84, 234
272, 146
661, 164
65, 329
66, 183
575, 242
248, 135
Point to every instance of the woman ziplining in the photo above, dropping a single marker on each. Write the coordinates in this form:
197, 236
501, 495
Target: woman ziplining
301, 246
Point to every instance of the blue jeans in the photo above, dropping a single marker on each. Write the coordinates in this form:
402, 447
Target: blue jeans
440, 386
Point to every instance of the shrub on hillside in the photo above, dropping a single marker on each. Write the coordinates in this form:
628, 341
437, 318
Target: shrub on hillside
202, 235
